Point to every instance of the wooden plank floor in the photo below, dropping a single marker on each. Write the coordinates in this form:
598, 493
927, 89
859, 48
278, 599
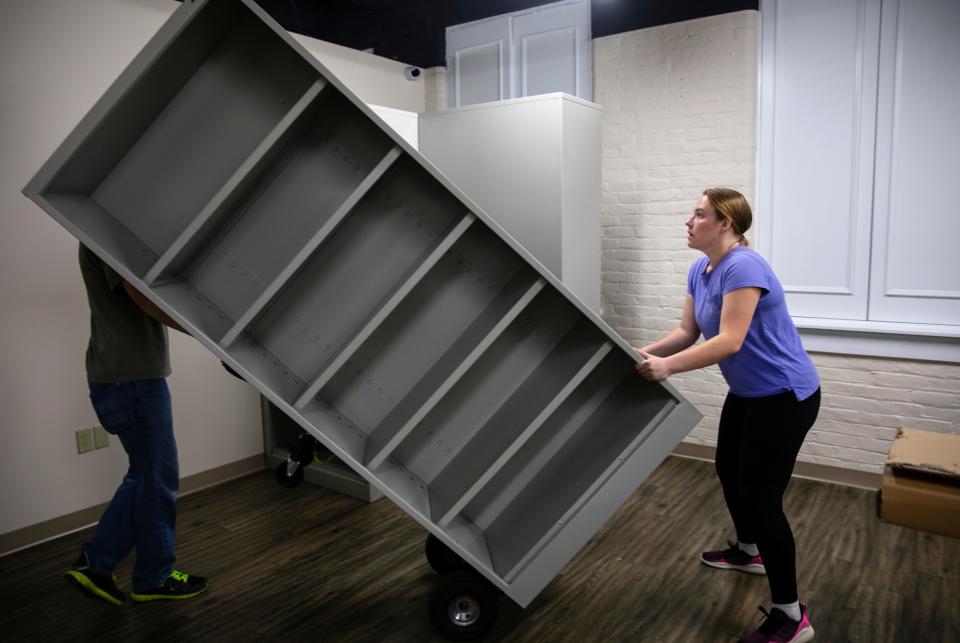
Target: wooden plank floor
309, 564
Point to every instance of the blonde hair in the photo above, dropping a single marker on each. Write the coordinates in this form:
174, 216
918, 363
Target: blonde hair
730, 204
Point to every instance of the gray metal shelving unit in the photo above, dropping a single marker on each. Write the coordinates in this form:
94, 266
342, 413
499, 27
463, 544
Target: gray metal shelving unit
238, 184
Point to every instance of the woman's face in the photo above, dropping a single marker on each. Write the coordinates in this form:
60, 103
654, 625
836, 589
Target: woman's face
704, 228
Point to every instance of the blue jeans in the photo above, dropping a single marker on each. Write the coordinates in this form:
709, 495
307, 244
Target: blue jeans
143, 511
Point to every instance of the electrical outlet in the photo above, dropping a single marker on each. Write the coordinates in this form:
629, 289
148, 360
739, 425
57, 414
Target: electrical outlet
101, 439
84, 440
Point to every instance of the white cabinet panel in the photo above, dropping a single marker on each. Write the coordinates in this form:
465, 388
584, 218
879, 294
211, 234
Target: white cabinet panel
819, 65
917, 265
533, 164
404, 123
540, 50
478, 73
478, 61
548, 62
552, 45
580, 202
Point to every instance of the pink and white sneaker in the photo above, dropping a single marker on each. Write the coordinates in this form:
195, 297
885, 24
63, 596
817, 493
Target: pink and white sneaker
734, 558
777, 627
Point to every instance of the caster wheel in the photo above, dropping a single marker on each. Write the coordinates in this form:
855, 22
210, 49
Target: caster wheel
288, 481
302, 449
441, 558
463, 606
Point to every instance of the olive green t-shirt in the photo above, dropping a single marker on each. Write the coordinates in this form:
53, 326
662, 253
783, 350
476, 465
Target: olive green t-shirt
126, 344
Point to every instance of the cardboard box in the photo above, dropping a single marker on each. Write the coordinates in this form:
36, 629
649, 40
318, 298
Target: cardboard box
921, 483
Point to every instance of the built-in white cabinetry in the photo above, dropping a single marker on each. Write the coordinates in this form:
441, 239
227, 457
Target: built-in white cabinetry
478, 61
534, 51
916, 268
857, 158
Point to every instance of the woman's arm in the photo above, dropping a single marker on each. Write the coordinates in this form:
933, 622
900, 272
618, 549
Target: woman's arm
683, 336
735, 317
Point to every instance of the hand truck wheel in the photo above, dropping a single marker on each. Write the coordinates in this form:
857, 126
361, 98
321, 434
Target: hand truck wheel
441, 558
290, 472
463, 606
288, 479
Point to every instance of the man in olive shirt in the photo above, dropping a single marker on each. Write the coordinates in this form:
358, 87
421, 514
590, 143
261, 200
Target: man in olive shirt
127, 363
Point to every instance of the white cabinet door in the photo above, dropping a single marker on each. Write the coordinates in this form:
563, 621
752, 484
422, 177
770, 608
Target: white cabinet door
478, 61
818, 111
916, 259
552, 47
541, 50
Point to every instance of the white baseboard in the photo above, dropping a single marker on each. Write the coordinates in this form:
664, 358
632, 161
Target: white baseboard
31, 535
805, 470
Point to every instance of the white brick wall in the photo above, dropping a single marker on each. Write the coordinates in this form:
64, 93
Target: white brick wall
435, 88
680, 115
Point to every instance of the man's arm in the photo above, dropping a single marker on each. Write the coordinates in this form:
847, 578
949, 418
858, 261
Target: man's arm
150, 308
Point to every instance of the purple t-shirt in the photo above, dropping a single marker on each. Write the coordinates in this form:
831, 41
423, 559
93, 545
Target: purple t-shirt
771, 359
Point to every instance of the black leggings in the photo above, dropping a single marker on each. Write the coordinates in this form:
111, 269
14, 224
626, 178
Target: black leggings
757, 446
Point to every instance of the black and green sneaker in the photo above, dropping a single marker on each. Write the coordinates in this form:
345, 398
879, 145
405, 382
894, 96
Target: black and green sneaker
100, 585
179, 585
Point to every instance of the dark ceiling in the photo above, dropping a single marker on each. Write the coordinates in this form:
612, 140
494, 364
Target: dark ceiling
412, 31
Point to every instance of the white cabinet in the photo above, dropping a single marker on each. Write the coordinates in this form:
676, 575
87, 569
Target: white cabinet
538, 50
916, 273
533, 164
404, 123
820, 70
478, 61
857, 154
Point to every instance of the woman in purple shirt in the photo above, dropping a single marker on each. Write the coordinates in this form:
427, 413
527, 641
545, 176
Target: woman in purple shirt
737, 303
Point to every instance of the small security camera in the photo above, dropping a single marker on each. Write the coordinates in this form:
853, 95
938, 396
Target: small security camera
411, 73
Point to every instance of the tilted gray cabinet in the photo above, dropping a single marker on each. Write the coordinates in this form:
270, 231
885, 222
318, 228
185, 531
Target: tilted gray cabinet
248, 193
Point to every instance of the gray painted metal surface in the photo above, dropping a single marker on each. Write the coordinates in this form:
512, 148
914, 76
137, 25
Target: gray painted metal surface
241, 187
279, 431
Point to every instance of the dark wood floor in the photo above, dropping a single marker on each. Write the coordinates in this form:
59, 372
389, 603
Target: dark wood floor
308, 564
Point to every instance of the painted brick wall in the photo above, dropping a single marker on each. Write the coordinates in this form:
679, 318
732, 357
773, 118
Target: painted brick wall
435, 88
679, 115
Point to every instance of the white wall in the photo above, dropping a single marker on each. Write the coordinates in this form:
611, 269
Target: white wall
680, 115
56, 58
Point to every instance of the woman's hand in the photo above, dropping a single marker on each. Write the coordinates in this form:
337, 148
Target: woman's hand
652, 367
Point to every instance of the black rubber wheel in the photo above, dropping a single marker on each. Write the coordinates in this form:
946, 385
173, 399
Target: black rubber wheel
442, 559
301, 450
288, 481
463, 606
